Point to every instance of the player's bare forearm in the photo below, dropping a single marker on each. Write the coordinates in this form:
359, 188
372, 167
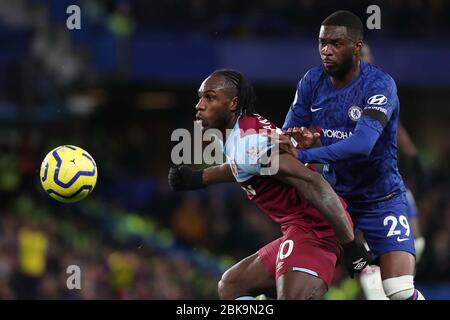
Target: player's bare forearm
218, 174
318, 192
182, 178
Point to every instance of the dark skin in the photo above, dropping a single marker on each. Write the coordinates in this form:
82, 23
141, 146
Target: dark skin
250, 277
217, 108
217, 105
340, 53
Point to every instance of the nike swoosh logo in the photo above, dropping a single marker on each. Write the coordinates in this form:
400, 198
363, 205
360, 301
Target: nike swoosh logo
314, 110
401, 240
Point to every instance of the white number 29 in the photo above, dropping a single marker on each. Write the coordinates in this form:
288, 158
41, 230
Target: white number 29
393, 220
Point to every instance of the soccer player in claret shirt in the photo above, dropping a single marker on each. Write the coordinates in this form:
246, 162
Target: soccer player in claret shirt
313, 219
355, 109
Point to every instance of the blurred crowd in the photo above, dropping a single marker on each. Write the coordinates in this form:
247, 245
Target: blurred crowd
43, 61
42, 23
255, 18
35, 254
282, 18
233, 17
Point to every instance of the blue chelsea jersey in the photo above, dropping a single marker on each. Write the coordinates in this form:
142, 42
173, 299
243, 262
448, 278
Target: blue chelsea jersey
372, 95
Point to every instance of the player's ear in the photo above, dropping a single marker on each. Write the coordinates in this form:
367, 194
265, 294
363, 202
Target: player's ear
234, 104
358, 47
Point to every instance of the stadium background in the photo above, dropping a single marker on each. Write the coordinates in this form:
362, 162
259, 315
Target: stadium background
118, 88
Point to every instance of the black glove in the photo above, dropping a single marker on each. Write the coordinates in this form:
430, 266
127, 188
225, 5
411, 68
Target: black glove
356, 257
184, 178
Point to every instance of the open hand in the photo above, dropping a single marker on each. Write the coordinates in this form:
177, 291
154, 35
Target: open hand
304, 137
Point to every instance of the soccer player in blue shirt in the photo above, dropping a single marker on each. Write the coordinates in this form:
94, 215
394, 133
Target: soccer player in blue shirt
355, 108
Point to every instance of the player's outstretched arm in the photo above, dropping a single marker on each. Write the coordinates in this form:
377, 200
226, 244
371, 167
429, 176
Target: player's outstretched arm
318, 192
185, 178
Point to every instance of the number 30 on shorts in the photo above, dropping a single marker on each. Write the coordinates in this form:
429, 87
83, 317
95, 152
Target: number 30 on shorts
285, 249
393, 221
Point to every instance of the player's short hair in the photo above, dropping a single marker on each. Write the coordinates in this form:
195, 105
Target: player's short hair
245, 92
346, 19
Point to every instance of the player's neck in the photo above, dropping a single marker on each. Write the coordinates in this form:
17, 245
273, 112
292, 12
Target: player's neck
230, 125
340, 82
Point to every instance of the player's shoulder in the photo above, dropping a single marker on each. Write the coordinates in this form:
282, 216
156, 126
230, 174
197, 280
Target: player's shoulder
313, 75
253, 124
376, 76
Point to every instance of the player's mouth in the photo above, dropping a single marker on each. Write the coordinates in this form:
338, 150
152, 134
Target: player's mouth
198, 119
328, 63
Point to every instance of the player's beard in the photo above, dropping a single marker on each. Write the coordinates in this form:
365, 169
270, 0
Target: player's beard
341, 70
220, 122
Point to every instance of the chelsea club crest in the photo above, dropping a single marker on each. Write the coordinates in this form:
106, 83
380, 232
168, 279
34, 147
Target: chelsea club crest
354, 113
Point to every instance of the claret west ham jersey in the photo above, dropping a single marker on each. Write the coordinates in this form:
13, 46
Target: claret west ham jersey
248, 152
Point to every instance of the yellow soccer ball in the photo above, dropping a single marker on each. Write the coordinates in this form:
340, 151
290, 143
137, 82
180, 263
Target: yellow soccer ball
68, 173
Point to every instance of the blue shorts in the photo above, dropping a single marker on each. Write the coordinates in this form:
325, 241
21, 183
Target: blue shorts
385, 226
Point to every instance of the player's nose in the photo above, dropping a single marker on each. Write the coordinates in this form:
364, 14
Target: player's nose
200, 105
326, 50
